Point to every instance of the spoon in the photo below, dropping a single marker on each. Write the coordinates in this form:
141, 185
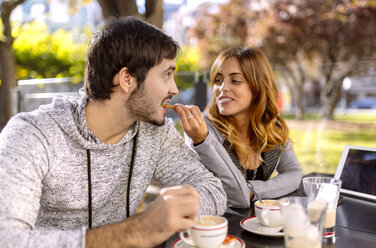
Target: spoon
198, 218
254, 192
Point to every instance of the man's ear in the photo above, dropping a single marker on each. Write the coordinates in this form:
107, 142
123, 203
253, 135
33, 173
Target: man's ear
125, 80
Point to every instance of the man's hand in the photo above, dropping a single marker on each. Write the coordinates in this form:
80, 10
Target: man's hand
172, 211
192, 122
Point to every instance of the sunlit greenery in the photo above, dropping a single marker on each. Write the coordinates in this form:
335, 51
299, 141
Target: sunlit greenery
187, 61
188, 58
1, 30
356, 117
42, 54
319, 143
350, 116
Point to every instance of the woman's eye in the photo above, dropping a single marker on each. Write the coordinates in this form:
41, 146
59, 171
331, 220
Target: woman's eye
218, 81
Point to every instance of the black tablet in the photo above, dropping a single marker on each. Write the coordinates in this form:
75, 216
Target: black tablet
357, 170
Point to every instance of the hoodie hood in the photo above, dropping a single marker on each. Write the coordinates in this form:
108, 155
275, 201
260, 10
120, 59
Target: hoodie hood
69, 114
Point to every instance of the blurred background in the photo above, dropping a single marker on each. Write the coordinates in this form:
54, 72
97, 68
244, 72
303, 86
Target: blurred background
323, 53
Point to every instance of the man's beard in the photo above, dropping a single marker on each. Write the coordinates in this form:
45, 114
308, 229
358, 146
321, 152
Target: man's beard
142, 108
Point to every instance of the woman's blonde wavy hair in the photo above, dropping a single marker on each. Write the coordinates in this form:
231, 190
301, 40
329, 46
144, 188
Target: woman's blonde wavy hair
267, 129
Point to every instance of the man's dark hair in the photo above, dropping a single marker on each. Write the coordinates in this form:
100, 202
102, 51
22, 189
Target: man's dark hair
124, 42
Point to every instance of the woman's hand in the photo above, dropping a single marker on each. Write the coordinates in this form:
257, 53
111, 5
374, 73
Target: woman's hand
192, 122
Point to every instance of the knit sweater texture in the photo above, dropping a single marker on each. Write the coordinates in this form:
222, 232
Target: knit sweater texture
44, 174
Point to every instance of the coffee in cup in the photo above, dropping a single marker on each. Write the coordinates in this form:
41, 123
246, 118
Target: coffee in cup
269, 213
209, 232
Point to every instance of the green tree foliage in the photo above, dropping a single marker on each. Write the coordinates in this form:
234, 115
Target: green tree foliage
1, 31
42, 54
186, 66
188, 58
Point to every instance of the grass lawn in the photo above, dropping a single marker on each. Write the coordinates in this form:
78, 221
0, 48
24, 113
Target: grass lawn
319, 143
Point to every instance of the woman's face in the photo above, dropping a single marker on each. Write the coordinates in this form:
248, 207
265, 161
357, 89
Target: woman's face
231, 90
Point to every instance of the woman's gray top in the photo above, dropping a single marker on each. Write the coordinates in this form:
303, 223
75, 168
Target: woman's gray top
217, 159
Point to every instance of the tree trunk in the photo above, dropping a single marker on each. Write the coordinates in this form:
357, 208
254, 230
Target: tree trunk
153, 10
299, 109
117, 8
8, 88
8, 108
326, 110
292, 94
332, 100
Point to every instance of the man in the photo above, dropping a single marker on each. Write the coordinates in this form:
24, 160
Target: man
73, 172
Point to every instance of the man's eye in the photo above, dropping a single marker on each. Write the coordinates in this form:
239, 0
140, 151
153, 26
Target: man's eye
169, 75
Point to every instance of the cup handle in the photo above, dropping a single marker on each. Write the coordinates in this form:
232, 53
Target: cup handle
188, 241
264, 216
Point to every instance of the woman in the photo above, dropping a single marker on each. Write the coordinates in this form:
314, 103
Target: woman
242, 138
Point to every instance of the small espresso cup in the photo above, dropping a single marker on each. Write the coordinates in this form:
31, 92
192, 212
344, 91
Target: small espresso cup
210, 232
269, 214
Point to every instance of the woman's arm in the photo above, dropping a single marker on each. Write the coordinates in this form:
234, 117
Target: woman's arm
287, 180
212, 154
215, 157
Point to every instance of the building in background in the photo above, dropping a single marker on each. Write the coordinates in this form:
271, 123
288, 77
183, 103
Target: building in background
56, 14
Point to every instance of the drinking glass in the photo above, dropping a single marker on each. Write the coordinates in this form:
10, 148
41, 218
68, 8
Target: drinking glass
303, 223
327, 189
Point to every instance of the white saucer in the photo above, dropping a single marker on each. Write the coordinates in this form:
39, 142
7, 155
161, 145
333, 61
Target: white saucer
238, 243
252, 225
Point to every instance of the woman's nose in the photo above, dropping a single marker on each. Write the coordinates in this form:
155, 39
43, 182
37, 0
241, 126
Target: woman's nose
223, 86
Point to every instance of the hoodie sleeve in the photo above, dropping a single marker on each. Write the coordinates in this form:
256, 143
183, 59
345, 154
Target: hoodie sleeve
24, 163
178, 165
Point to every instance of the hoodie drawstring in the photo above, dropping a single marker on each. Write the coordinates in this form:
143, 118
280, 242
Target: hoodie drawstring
129, 180
89, 184
130, 174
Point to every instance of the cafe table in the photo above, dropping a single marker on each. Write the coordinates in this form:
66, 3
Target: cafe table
355, 227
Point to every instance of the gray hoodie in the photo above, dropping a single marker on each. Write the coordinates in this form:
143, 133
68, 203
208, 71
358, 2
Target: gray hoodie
44, 175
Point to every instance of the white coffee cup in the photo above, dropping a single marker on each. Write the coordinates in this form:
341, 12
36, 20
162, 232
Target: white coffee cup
269, 213
209, 233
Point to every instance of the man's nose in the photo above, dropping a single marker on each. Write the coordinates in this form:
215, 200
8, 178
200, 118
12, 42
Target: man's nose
174, 89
